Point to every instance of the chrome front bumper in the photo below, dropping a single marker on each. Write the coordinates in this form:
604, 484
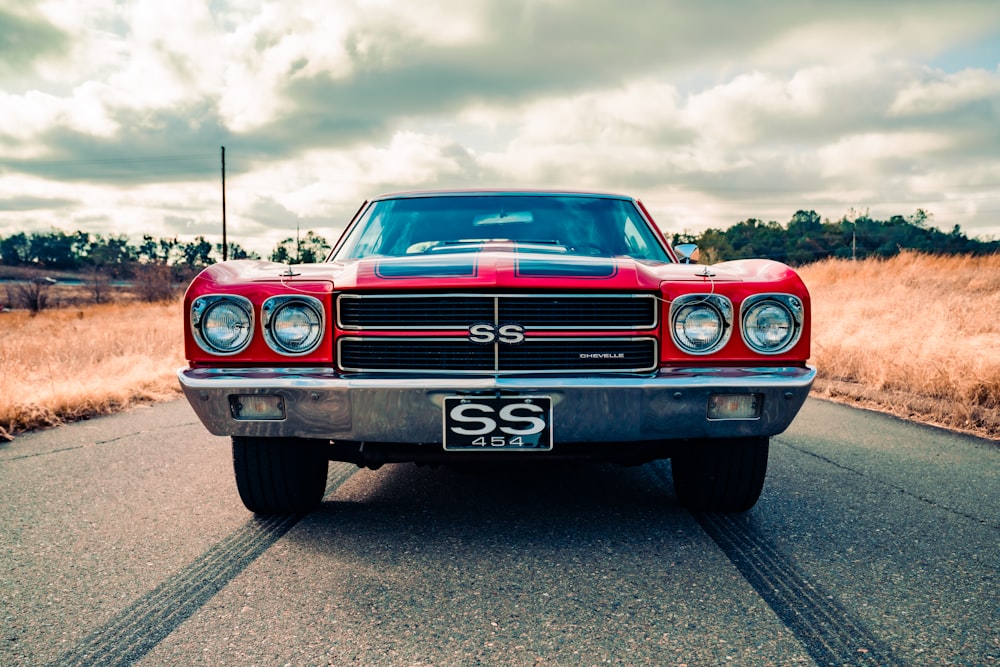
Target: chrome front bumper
670, 405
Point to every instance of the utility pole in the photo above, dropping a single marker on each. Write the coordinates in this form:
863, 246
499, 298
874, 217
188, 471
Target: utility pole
225, 250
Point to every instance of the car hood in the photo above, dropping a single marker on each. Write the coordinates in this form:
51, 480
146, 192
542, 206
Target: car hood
504, 269
493, 269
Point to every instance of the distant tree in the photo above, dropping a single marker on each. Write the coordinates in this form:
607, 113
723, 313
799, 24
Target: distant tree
149, 250
715, 247
236, 251
805, 223
197, 254
920, 218
15, 250
112, 255
755, 238
285, 252
313, 248
171, 250
57, 250
805, 242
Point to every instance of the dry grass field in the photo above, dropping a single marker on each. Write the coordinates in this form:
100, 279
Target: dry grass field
71, 363
917, 336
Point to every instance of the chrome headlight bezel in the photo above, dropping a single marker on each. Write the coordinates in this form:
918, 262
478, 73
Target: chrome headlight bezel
201, 310
794, 310
715, 306
272, 310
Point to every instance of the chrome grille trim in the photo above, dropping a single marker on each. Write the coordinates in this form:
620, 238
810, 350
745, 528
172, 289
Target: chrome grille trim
456, 311
492, 359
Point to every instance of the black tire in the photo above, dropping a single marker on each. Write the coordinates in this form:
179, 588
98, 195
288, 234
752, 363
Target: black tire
721, 475
279, 475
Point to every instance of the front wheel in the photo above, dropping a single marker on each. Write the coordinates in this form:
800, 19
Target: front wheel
279, 475
721, 475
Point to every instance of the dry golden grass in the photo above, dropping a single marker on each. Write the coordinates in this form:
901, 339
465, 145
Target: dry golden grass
68, 364
916, 335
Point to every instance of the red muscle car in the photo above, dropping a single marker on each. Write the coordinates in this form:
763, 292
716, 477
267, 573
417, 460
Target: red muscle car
484, 326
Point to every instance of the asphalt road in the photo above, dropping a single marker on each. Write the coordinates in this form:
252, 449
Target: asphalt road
122, 541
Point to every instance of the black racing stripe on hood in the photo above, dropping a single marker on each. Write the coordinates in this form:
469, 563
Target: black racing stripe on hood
566, 267
428, 267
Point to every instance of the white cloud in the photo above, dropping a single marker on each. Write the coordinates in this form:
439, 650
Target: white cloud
28, 116
166, 56
946, 93
280, 42
452, 23
730, 113
860, 156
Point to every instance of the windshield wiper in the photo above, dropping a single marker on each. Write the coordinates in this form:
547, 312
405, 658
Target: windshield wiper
451, 245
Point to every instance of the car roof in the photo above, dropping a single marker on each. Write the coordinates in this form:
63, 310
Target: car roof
412, 194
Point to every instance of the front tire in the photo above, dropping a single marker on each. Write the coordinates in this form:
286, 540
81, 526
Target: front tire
279, 475
721, 475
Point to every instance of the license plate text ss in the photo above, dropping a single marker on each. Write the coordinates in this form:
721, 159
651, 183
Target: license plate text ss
522, 423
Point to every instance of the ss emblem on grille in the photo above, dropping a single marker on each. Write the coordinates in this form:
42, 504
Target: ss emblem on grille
509, 334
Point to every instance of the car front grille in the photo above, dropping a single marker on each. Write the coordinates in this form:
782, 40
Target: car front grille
457, 355
561, 333
556, 311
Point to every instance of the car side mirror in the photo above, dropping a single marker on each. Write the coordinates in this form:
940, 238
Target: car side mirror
687, 253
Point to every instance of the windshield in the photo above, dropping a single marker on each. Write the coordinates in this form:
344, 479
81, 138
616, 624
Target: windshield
570, 224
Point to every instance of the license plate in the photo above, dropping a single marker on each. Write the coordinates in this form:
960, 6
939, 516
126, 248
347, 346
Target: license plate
510, 423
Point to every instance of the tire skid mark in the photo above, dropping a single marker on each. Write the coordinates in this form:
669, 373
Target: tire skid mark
138, 628
823, 627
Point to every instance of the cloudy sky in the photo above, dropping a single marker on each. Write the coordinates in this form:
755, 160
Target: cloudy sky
113, 112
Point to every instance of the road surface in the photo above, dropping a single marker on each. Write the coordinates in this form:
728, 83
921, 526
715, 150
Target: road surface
122, 541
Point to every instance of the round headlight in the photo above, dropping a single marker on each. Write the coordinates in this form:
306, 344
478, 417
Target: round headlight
293, 325
698, 327
222, 324
701, 323
771, 325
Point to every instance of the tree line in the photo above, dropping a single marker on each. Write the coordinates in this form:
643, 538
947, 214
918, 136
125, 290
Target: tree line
119, 257
807, 238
